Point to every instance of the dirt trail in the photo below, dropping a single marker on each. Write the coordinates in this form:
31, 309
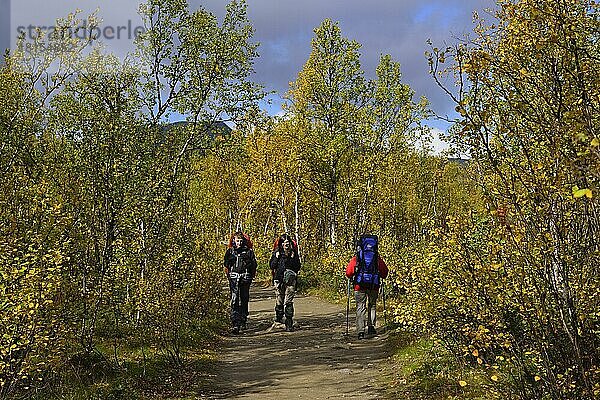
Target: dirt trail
314, 362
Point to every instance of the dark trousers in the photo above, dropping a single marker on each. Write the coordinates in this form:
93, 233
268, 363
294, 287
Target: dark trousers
240, 296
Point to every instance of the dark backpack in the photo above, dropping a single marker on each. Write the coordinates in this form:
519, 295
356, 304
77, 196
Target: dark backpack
288, 275
367, 260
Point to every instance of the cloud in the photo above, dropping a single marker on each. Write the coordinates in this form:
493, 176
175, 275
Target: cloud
119, 20
437, 142
285, 28
398, 28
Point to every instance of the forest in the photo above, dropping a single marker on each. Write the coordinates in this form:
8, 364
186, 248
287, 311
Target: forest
114, 218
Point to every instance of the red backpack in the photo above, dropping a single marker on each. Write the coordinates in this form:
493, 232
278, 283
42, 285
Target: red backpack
278, 242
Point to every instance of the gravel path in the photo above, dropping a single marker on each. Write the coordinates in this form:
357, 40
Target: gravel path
316, 361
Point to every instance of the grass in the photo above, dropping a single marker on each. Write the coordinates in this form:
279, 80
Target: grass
421, 369
140, 373
94, 377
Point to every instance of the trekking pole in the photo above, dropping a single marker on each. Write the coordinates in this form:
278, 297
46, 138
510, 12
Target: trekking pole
348, 307
384, 311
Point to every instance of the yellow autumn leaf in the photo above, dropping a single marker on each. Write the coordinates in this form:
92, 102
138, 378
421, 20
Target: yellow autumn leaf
462, 383
536, 378
582, 192
595, 142
495, 378
475, 353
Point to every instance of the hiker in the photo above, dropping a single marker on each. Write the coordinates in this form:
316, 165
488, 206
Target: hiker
285, 265
240, 265
366, 269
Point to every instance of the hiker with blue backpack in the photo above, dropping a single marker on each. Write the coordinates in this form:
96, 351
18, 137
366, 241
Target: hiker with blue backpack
240, 266
285, 265
367, 270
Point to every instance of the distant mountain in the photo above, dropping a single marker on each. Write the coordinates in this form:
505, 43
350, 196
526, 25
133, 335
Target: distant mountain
217, 128
461, 161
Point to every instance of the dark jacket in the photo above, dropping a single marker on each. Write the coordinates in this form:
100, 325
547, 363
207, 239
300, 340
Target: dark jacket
240, 260
280, 262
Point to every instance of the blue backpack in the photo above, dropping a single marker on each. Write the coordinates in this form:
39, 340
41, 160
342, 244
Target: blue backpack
367, 273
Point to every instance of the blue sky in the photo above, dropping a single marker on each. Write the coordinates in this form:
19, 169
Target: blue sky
284, 29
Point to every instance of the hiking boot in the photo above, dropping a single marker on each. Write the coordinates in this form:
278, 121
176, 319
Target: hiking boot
371, 330
289, 325
361, 335
279, 314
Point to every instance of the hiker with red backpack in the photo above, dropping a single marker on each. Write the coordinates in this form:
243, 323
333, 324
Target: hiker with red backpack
285, 265
366, 269
240, 266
